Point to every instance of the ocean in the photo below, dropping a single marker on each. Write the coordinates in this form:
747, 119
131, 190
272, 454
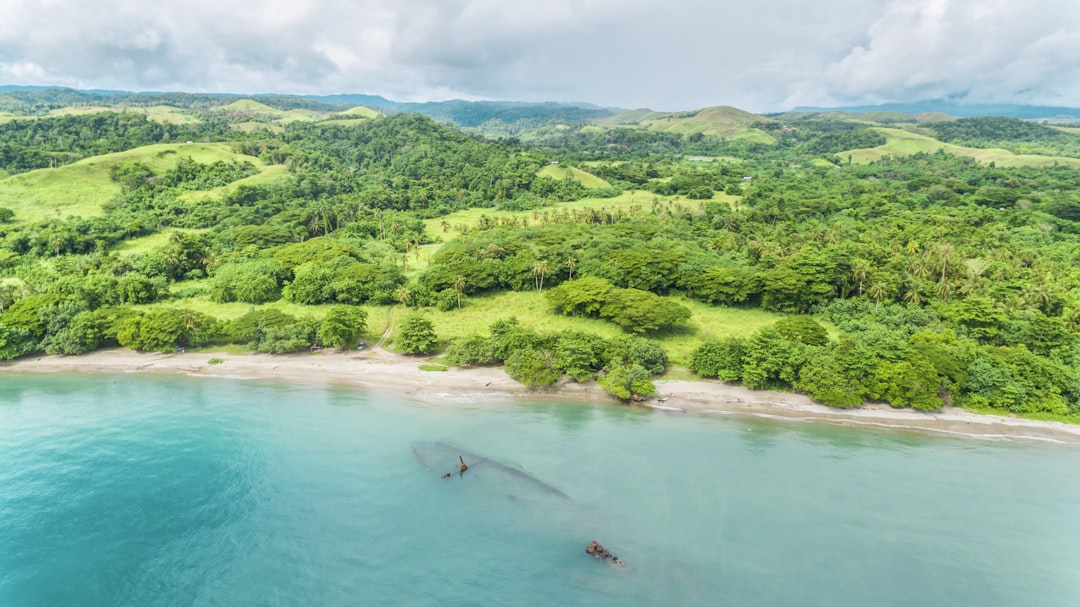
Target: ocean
162, 490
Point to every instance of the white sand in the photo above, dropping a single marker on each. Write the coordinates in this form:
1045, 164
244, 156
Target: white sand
379, 370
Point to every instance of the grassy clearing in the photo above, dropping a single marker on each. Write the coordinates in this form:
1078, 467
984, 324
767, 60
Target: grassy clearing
345, 121
82, 187
904, 143
532, 310
460, 221
586, 179
267, 174
359, 112
251, 127
377, 321
261, 114
158, 113
721, 121
147, 244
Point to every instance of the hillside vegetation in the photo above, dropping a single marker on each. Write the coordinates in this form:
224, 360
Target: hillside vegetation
844, 259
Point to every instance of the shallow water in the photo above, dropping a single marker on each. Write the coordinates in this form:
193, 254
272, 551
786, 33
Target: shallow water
137, 490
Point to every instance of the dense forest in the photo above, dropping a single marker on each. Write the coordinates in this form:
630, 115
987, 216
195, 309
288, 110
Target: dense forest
924, 281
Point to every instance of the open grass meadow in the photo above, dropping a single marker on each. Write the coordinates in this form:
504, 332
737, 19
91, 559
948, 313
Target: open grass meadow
81, 188
721, 121
586, 179
532, 310
442, 229
478, 313
153, 242
904, 143
158, 113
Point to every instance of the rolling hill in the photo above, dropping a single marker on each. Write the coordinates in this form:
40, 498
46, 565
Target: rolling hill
905, 143
81, 188
720, 121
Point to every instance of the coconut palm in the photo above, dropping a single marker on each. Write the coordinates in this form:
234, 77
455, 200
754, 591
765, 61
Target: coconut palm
540, 270
459, 286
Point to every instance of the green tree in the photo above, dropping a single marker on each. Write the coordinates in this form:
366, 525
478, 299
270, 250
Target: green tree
341, 326
627, 381
803, 329
532, 367
417, 335
720, 359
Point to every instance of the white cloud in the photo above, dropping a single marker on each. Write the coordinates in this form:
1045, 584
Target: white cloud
675, 54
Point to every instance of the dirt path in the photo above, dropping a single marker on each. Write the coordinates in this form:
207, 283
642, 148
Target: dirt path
386, 333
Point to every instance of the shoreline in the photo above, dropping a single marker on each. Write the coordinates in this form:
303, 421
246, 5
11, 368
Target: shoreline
378, 370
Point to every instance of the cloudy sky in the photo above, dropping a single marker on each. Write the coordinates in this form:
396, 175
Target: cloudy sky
761, 55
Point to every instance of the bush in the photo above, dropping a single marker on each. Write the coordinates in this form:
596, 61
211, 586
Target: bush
532, 367
417, 335
720, 359
471, 351
627, 381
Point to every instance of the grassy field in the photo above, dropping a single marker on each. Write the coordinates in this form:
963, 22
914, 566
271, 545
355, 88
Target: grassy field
146, 244
359, 112
721, 121
82, 187
158, 113
477, 314
903, 143
469, 218
586, 179
250, 126
266, 174
532, 310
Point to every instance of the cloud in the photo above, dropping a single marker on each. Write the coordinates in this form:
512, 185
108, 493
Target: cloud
980, 49
675, 54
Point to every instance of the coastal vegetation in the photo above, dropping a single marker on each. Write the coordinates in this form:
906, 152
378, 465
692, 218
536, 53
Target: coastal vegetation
922, 264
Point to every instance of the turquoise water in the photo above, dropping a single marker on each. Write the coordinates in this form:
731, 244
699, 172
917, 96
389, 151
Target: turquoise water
136, 490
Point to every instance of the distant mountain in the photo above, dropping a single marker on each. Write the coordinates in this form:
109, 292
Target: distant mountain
963, 110
469, 114
372, 101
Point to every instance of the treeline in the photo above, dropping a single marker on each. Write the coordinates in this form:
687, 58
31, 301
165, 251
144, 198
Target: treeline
625, 365
1013, 134
966, 353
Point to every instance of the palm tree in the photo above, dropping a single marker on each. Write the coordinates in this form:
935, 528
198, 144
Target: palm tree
540, 270
944, 288
859, 270
404, 295
944, 254
459, 286
913, 292
878, 290
571, 263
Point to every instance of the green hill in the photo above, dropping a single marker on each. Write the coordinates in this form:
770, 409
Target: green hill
158, 113
352, 117
905, 143
82, 187
720, 121
869, 117
586, 179
359, 112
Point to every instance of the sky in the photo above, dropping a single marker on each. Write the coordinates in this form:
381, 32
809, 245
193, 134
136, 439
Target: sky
759, 55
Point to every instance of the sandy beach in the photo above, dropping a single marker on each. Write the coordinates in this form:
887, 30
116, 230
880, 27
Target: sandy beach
379, 370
